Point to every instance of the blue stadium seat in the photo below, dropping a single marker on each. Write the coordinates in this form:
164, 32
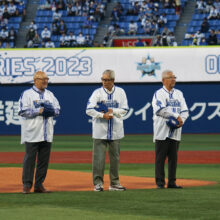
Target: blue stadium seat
15, 20
172, 17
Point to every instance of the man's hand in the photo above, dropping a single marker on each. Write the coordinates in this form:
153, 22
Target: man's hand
108, 115
179, 119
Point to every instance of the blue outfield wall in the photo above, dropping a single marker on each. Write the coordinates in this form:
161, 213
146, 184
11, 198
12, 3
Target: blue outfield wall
203, 100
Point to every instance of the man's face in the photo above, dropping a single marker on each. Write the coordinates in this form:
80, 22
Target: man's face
169, 81
107, 82
41, 82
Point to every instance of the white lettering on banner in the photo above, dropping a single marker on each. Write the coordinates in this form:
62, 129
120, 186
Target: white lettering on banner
217, 110
143, 111
202, 111
2, 118
11, 111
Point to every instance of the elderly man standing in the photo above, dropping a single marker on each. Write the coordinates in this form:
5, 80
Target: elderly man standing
107, 105
170, 112
38, 106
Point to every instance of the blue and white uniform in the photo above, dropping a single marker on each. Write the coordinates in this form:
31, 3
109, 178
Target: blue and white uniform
165, 104
35, 127
115, 99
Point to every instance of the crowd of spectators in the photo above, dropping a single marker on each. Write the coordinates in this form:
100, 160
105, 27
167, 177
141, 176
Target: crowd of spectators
207, 34
151, 20
92, 11
9, 9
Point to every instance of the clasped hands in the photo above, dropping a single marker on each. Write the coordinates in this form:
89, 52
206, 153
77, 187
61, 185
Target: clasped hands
108, 115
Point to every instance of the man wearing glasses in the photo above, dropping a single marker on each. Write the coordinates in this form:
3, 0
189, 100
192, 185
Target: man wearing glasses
107, 106
37, 107
169, 114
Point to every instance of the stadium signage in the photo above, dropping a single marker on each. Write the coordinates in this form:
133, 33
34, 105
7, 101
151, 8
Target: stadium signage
132, 65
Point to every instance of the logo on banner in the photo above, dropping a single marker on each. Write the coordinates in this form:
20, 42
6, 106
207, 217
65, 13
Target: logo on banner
148, 66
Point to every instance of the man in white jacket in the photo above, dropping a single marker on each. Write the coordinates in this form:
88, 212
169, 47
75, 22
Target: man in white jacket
37, 106
169, 114
107, 106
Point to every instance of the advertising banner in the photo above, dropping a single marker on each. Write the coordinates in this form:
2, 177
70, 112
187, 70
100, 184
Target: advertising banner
203, 101
132, 65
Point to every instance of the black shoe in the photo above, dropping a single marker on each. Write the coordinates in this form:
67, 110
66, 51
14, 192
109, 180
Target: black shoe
174, 186
160, 187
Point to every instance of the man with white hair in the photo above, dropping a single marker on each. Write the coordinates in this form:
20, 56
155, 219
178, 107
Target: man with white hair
107, 106
37, 107
169, 114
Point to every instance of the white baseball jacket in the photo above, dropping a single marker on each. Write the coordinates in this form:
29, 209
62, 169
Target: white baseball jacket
116, 99
168, 103
34, 127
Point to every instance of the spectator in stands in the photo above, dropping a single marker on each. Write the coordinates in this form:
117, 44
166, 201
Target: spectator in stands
45, 34
69, 10
115, 15
54, 28
197, 38
214, 13
171, 40
162, 21
178, 7
29, 37
60, 5
212, 39
5, 15
201, 6
4, 37
134, 10
49, 44
88, 41
62, 28
21, 9
87, 23
36, 41
106, 39
165, 30
157, 42
164, 40
12, 9
46, 6
132, 28
139, 43
56, 16
204, 26
72, 39
64, 40
217, 4
12, 35
80, 40
33, 25
147, 27
203, 42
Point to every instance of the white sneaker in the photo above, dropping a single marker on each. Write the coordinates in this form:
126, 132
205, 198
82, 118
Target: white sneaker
98, 188
117, 187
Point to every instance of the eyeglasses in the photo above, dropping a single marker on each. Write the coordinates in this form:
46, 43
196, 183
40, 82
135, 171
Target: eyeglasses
43, 79
170, 77
106, 80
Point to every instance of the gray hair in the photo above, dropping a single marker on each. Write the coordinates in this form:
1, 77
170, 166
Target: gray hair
110, 73
165, 72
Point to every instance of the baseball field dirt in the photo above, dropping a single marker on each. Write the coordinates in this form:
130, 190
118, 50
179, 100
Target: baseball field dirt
58, 180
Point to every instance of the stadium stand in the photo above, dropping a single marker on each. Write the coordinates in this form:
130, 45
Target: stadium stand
68, 24
204, 28
12, 12
146, 18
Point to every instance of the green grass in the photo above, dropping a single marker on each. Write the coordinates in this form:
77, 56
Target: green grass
129, 143
194, 203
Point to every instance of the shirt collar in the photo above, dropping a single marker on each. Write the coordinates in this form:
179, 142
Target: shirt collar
38, 90
109, 92
171, 91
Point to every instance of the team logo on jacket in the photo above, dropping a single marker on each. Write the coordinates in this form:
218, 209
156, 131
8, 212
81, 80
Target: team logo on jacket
148, 66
